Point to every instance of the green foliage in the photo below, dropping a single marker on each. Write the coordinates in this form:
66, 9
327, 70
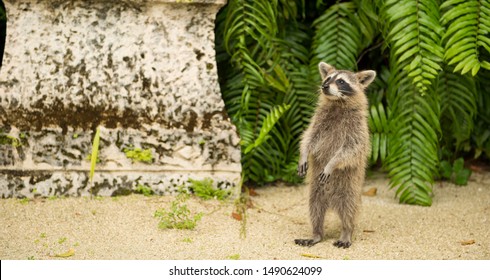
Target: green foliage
455, 173
481, 136
414, 34
265, 82
379, 127
269, 122
467, 34
10, 140
178, 216
412, 157
337, 40
138, 154
205, 190
234, 257
144, 190
458, 97
24, 200
425, 106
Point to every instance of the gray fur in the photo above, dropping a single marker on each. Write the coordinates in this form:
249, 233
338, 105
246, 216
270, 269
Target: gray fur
334, 151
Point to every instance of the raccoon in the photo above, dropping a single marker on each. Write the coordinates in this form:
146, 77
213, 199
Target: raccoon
334, 150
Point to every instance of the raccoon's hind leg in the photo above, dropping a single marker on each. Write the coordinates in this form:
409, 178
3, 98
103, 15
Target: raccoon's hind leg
318, 207
347, 212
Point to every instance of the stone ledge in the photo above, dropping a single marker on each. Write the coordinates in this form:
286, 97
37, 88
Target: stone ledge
32, 184
143, 72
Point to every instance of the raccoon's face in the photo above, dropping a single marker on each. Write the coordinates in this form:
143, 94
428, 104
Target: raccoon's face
341, 84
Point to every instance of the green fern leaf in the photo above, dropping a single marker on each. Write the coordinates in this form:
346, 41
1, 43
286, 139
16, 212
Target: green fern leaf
415, 33
413, 142
468, 28
379, 127
458, 97
269, 122
338, 39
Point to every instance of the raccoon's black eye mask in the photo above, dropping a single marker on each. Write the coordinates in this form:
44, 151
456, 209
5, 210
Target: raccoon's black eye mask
344, 87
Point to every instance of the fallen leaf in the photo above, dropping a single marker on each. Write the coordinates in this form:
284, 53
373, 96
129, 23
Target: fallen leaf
467, 242
476, 168
236, 216
252, 192
66, 254
312, 256
370, 192
250, 204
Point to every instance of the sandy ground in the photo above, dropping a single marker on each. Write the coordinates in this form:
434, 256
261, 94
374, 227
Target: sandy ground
457, 226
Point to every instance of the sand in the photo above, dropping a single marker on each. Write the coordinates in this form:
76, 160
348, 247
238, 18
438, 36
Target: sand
456, 227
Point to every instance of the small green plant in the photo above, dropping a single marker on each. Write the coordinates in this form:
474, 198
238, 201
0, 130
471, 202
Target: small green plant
234, 257
179, 216
9, 140
94, 155
144, 190
456, 173
138, 154
187, 240
24, 200
62, 240
89, 158
241, 206
205, 190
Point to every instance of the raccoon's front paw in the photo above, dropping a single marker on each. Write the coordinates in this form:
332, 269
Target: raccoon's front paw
302, 168
323, 178
342, 244
325, 175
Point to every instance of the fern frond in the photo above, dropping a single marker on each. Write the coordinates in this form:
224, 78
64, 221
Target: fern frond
379, 128
268, 123
467, 34
337, 39
458, 96
414, 33
413, 143
481, 134
368, 20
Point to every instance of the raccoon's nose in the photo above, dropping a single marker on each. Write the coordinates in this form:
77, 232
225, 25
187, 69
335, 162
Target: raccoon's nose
325, 89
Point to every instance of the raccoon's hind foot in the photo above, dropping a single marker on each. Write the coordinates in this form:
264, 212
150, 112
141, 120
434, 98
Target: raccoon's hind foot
306, 242
342, 244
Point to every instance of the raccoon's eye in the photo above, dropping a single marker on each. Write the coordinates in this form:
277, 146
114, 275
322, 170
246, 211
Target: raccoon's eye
328, 79
340, 81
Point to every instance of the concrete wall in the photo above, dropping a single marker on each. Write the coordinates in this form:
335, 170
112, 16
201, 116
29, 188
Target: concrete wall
143, 72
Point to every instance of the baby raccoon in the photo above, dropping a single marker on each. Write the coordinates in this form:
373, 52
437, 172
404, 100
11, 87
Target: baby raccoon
334, 149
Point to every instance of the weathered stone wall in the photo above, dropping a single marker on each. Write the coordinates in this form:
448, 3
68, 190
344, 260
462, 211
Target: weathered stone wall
144, 72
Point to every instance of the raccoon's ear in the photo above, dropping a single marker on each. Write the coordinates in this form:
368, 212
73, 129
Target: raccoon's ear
366, 77
325, 69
